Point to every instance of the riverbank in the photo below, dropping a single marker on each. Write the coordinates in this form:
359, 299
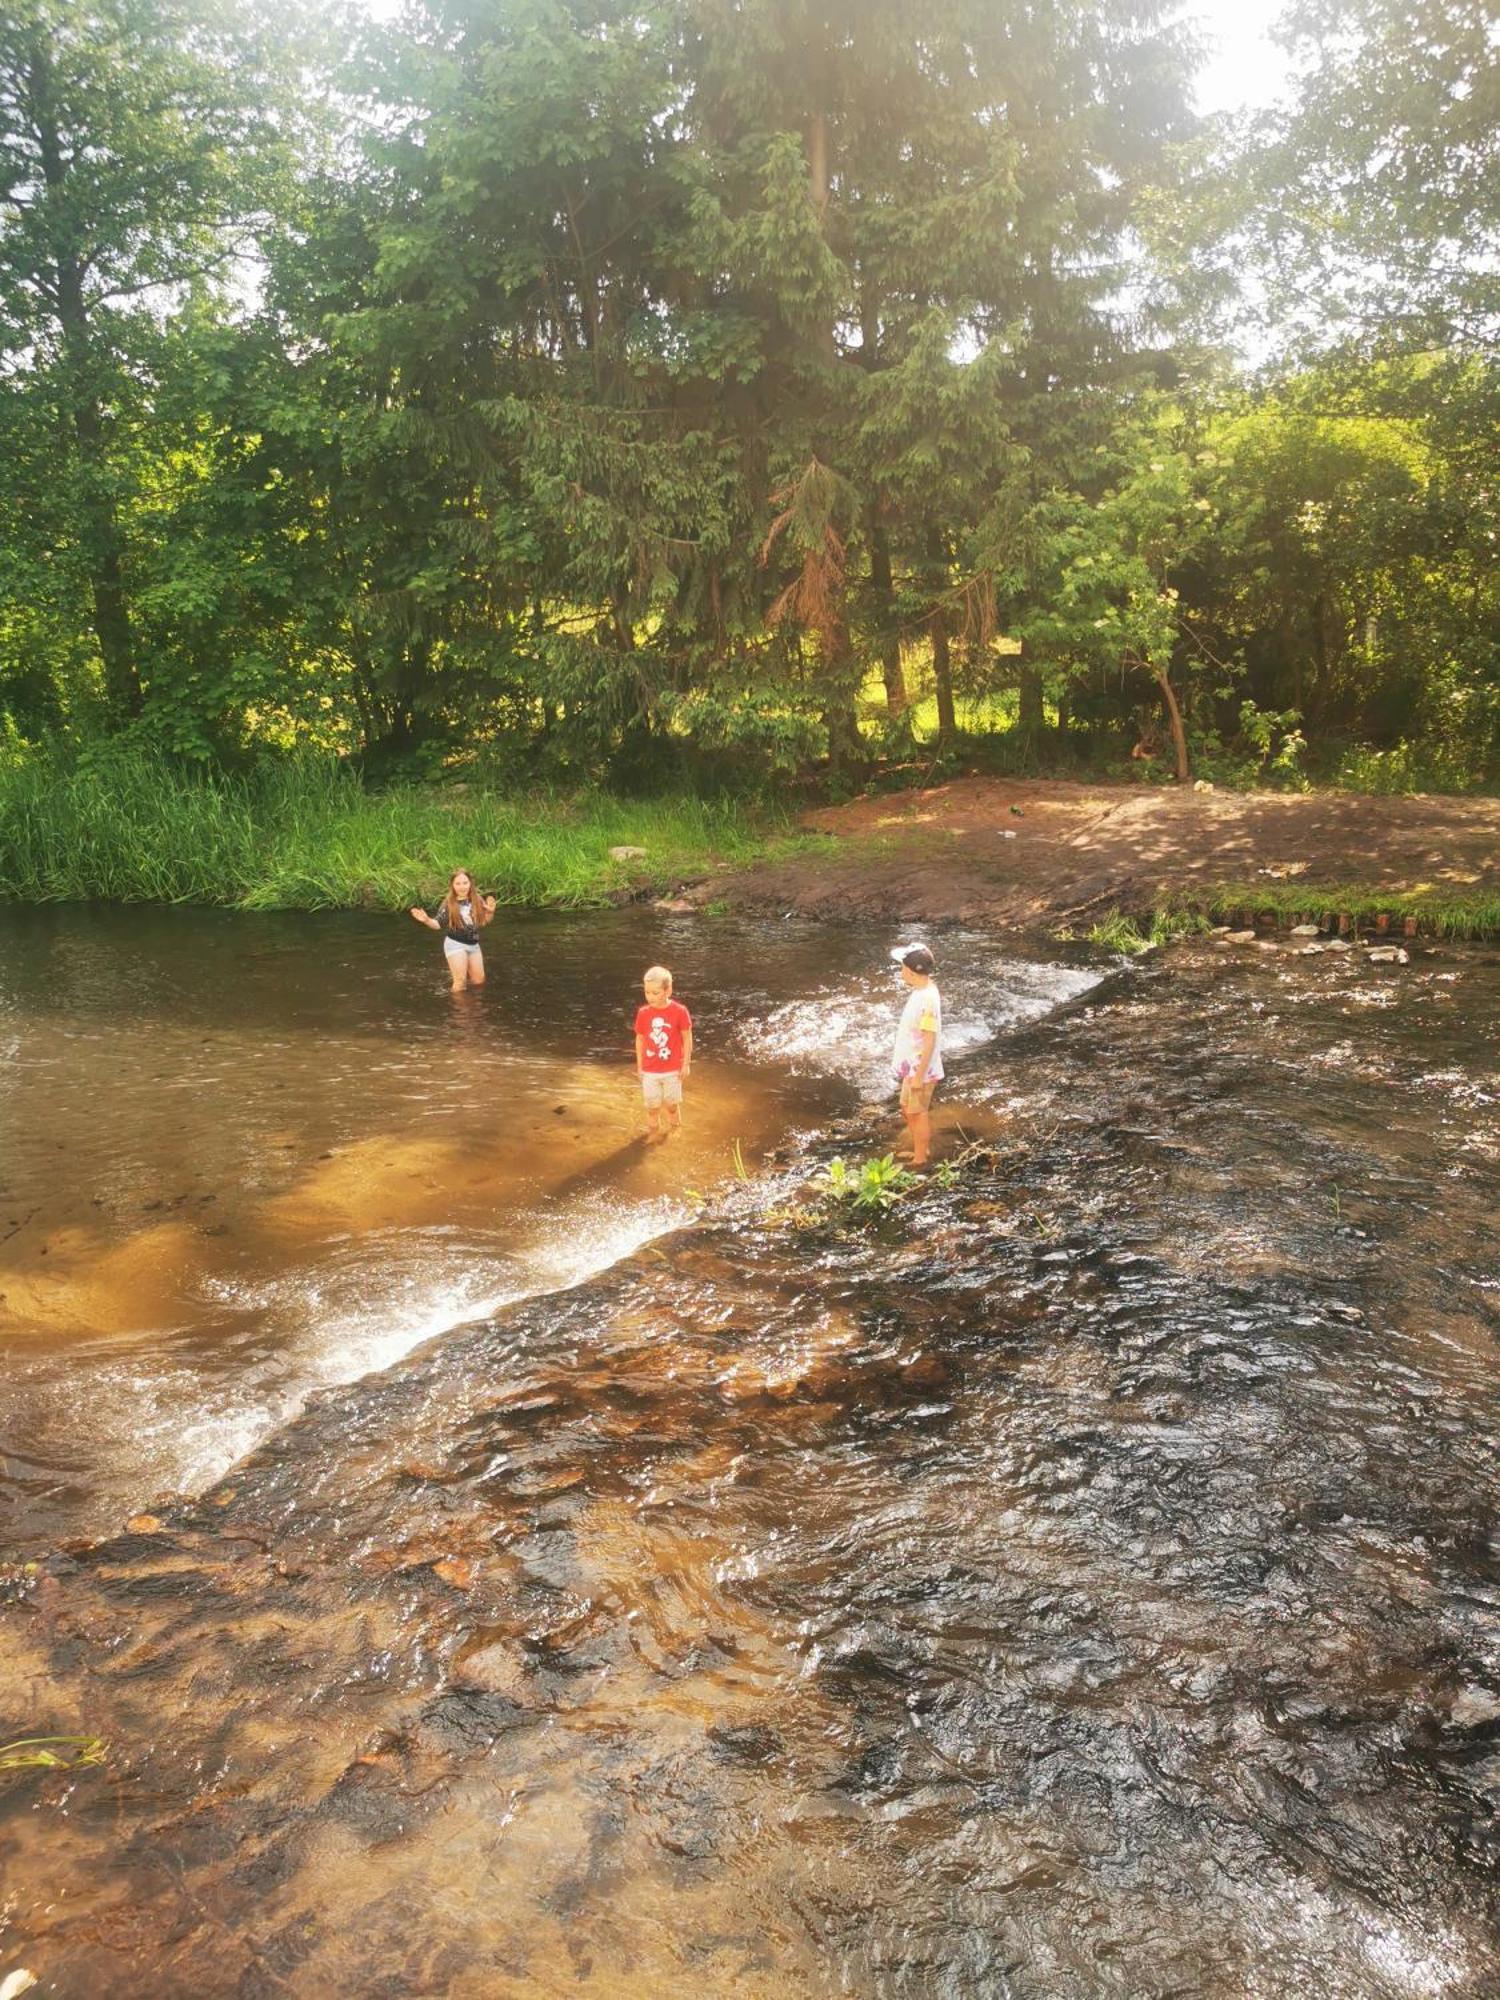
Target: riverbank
1013, 854
1033, 855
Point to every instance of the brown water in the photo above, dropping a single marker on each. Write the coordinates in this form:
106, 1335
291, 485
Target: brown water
244, 1157
1086, 1584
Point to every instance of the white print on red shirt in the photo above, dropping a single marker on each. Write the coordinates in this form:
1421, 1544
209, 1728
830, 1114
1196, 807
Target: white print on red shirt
662, 1031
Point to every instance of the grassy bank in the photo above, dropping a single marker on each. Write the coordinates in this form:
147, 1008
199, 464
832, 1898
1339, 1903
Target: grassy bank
1437, 913
1454, 913
131, 827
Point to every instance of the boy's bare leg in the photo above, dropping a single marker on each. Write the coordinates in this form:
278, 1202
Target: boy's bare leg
915, 1110
920, 1125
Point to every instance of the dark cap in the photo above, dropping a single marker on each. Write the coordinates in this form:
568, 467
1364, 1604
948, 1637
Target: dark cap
916, 958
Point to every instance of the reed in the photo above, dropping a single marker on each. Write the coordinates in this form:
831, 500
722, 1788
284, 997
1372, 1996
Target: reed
126, 825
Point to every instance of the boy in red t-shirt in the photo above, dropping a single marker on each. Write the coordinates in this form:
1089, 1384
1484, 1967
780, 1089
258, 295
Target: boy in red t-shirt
663, 1051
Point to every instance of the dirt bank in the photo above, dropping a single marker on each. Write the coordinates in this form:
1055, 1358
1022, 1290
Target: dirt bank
1026, 852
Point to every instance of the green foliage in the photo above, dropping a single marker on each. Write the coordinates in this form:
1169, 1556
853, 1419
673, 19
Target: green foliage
870, 1189
679, 395
1120, 933
1374, 197
1440, 912
1410, 767
127, 825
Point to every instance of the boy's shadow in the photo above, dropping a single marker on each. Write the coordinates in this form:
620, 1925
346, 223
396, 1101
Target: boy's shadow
601, 1172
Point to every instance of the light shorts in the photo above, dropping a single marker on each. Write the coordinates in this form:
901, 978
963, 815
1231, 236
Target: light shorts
917, 1096
459, 954
661, 1087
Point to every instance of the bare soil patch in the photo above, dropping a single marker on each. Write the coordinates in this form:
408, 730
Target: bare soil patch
1020, 852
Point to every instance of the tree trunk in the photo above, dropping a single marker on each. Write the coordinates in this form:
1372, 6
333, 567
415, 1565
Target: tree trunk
845, 744
1179, 737
942, 674
885, 613
840, 719
1032, 717
101, 527
937, 625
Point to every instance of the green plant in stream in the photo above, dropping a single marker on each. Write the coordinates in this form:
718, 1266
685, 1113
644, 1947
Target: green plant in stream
1117, 932
869, 1189
51, 1753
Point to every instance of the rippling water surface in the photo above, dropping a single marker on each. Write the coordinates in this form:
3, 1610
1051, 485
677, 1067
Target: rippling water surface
249, 1156
1084, 1583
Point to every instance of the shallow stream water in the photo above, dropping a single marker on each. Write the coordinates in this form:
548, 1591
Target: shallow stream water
1084, 1583
244, 1157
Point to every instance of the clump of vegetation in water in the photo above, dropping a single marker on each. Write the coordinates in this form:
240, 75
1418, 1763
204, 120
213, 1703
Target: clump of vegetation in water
869, 1189
1119, 933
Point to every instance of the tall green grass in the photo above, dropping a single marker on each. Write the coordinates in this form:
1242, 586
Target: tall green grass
129, 826
1440, 912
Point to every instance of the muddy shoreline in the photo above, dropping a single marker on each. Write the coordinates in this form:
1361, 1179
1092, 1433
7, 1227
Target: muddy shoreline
1086, 1585
1032, 855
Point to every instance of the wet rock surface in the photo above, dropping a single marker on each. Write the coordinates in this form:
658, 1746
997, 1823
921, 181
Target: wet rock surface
1083, 1584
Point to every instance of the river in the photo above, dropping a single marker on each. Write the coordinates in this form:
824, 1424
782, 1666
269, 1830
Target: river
1084, 1582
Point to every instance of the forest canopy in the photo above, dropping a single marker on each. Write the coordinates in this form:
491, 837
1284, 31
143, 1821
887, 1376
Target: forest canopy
704, 392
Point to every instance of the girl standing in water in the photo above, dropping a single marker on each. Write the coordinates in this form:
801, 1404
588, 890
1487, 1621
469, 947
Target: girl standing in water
460, 917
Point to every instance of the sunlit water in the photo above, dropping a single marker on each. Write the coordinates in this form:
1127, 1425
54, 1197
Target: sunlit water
1085, 1583
249, 1156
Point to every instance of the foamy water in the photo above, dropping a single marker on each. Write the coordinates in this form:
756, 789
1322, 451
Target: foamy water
302, 1160
389, 1296
846, 1027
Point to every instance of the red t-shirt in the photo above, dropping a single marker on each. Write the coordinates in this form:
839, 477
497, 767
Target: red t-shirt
662, 1029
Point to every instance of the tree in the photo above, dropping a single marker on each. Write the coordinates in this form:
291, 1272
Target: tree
1375, 198
136, 142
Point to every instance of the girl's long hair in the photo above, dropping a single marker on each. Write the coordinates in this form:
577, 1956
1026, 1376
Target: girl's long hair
479, 915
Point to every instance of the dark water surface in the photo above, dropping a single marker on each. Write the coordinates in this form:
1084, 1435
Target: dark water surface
1088, 1584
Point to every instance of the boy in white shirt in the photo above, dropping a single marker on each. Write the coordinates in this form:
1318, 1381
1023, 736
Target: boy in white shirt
918, 1054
